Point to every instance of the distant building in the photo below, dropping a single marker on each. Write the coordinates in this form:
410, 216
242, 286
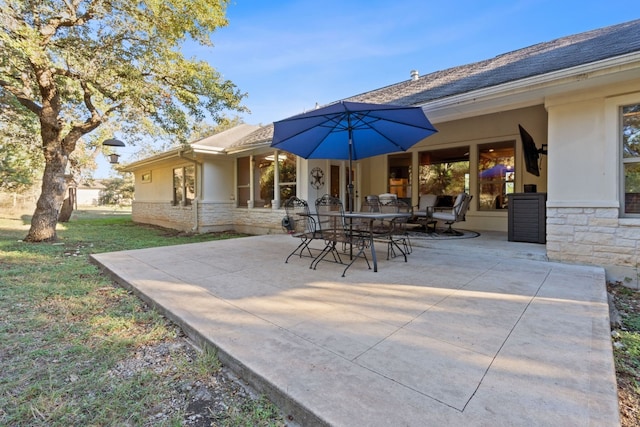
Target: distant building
89, 193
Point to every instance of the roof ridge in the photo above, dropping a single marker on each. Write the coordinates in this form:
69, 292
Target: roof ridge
540, 58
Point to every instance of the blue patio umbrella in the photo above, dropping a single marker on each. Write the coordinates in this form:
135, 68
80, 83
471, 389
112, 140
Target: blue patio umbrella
352, 131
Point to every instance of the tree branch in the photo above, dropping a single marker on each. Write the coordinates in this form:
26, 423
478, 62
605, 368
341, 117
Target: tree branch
22, 98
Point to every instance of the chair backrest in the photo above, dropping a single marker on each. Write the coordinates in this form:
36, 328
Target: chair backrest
293, 221
373, 198
390, 207
403, 207
427, 201
465, 207
328, 203
386, 198
370, 204
461, 205
400, 223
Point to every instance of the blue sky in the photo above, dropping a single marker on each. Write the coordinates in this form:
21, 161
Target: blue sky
289, 54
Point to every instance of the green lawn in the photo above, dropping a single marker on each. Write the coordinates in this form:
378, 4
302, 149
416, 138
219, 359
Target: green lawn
65, 327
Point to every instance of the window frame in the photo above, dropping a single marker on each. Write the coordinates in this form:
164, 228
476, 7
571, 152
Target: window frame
256, 178
451, 155
500, 199
283, 185
185, 200
624, 161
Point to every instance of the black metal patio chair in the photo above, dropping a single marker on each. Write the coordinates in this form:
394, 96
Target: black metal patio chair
300, 224
335, 230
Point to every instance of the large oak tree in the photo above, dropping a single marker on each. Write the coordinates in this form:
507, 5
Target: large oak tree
80, 64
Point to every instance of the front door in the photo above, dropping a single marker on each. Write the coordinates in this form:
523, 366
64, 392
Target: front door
335, 181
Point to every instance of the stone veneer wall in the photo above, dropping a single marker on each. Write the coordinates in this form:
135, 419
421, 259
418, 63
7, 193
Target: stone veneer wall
163, 214
211, 217
258, 220
595, 236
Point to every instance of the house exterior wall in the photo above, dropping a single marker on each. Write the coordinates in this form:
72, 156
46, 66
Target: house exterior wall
203, 217
159, 185
584, 223
153, 202
218, 180
213, 210
163, 214
258, 221
472, 132
581, 176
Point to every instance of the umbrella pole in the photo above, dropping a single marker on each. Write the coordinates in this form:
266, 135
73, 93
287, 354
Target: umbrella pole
350, 189
349, 180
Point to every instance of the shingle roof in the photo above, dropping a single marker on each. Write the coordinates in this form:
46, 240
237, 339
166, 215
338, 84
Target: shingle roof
539, 59
256, 138
542, 58
228, 137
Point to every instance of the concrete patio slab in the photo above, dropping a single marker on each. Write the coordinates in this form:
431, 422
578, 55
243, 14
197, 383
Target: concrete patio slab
478, 332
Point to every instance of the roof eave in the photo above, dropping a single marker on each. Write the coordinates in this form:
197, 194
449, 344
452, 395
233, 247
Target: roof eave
252, 147
166, 155
525, 92
204, 149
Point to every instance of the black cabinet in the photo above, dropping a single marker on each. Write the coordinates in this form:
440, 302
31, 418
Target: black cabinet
528, 217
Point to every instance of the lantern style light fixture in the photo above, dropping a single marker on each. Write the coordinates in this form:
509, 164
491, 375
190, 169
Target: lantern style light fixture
112, 142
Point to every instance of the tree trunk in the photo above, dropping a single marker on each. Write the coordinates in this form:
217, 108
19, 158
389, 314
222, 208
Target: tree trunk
54, 188
66, 210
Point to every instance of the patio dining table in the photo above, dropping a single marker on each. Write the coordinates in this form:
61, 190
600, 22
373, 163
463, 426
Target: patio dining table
369, 218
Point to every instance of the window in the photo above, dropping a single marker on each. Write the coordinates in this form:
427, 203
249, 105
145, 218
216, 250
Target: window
244, 178
264, 178
631, 158
444, 172
400, 175
184, 185
263, 173
496, 174
287, 175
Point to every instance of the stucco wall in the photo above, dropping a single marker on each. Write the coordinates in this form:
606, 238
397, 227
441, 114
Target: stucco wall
218, 180
159, 186
584, 222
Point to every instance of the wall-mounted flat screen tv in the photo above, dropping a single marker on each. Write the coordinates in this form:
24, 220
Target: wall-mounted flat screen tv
531, 153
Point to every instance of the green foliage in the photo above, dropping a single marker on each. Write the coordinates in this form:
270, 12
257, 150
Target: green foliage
115, 59
260, 413
76, 66
628, 354
443, 178
267, 178
627, 339
66, 331
21, 160
117, 190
